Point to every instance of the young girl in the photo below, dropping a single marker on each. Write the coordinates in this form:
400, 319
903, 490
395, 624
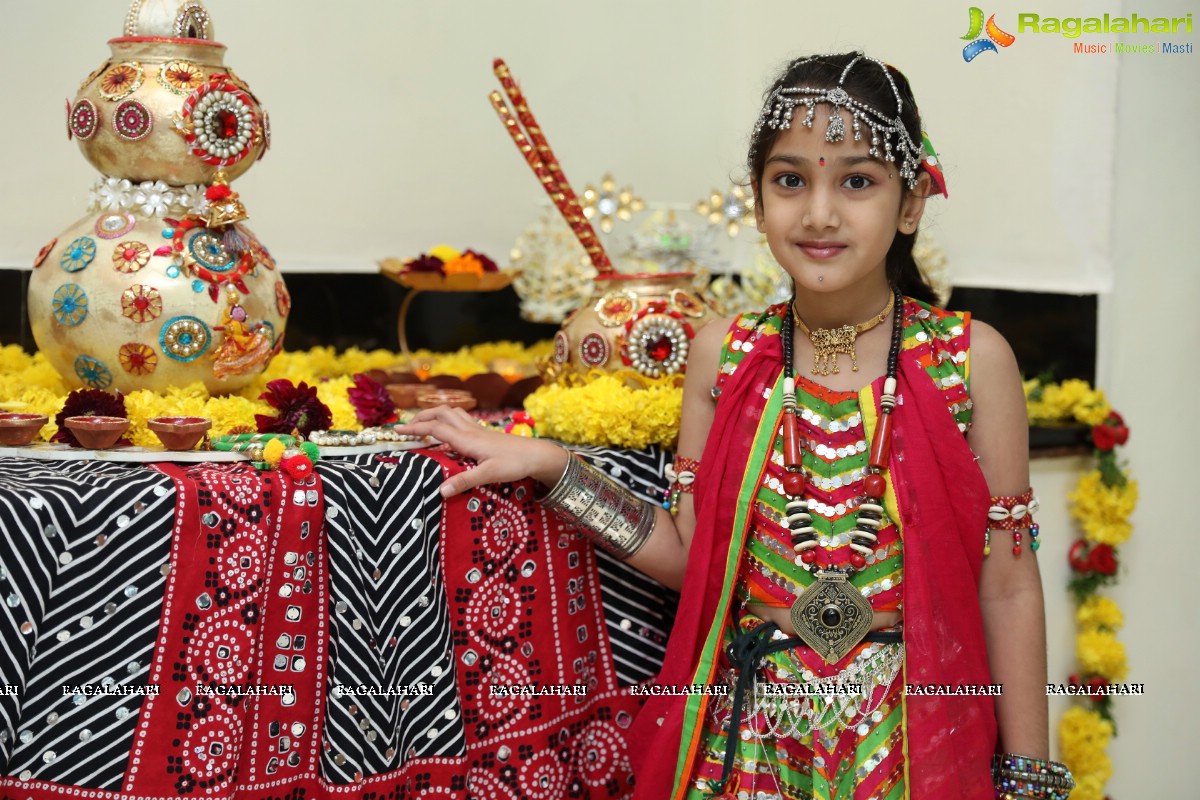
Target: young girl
841, 460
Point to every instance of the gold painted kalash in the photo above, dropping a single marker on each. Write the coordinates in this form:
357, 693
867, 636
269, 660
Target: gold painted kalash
635, 328
642, 323
161, 284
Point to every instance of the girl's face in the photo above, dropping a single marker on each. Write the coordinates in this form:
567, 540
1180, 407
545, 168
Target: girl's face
829, 210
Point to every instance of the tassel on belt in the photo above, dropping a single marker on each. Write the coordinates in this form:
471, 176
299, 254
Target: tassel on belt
791, 708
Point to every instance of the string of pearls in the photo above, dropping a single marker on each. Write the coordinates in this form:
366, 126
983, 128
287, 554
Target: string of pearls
341, 438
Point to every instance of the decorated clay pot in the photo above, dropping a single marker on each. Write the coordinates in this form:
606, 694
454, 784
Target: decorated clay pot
163, 109
160, 284
110, 314
639, 323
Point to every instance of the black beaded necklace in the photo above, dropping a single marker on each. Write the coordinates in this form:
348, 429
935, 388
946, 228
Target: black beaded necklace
831, 615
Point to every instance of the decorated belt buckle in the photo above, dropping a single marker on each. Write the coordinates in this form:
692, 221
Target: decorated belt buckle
831, 615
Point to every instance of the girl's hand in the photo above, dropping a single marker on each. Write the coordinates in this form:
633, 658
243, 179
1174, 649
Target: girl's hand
499, 457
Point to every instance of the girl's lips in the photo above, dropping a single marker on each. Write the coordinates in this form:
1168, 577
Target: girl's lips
820, 250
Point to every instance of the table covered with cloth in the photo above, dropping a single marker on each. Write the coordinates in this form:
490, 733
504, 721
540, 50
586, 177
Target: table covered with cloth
211, 631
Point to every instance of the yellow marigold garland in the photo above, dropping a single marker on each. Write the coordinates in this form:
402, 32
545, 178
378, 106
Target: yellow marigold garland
1104, 510
622, 409
1102, 503
1083, 739
1099, 613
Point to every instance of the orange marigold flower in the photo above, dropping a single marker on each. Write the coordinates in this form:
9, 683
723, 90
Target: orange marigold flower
466, 264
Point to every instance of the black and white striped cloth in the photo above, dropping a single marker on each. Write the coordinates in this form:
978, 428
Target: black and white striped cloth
390, 623
84, 553
638, 611
83, 549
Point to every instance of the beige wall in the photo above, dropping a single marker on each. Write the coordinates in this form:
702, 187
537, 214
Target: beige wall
1149, 332
1066, 172
385, 142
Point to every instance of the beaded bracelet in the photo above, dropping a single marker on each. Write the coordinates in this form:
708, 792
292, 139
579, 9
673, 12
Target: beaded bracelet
1013, 513
251, 444
682, 475
1022, 777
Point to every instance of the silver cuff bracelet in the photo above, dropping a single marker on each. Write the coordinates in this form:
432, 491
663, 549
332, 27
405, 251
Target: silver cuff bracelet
608, 514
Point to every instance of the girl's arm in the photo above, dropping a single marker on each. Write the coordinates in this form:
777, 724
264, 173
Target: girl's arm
501, 457
1010, 589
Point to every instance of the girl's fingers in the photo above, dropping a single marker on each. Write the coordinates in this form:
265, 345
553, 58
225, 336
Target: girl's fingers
456, 417
458, 429
447, 434
464, 417
480, 475
443, 414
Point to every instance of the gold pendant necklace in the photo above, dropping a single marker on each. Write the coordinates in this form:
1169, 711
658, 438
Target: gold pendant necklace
828, 342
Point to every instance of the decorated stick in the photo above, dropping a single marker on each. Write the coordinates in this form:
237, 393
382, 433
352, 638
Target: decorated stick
545, 166
570, 211
530, 124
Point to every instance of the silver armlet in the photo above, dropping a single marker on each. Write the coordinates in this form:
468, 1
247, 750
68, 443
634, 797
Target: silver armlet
608, 514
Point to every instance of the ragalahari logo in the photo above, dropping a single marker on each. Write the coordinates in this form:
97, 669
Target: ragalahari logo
994, 37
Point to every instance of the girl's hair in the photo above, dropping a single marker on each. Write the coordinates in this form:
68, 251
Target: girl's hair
867, 83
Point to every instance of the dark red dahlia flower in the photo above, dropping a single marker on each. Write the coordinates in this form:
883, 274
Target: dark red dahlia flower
299, 409
372, 403
424, 263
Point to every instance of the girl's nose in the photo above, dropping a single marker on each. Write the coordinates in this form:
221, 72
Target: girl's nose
821, 211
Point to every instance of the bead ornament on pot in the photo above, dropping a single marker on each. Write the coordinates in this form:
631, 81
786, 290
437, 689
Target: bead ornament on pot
160, 283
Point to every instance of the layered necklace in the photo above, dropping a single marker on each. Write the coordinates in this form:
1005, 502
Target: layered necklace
831, 615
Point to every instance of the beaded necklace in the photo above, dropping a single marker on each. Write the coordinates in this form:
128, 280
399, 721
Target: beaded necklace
831, 615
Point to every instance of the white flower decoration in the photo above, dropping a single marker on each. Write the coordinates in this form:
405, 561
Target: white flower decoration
153, 198
192, 198
112, 194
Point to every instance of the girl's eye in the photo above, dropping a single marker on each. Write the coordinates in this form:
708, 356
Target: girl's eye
789, 181
857, 182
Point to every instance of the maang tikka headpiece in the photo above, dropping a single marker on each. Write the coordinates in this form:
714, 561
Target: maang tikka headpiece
781, 104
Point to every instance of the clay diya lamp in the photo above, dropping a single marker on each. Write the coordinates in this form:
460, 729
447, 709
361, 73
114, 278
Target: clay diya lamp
18, 430
179, 433
404, 395
97, 433
455, 398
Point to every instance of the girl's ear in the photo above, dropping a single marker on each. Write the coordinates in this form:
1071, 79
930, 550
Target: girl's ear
912, 206
758, 207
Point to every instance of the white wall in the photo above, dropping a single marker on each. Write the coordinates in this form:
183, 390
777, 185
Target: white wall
385, 142
1149, 332
1066, 172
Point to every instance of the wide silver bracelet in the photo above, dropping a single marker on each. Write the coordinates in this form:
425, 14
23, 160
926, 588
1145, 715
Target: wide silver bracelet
608, 514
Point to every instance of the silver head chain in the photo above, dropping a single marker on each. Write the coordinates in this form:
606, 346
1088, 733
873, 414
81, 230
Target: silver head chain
890, 131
